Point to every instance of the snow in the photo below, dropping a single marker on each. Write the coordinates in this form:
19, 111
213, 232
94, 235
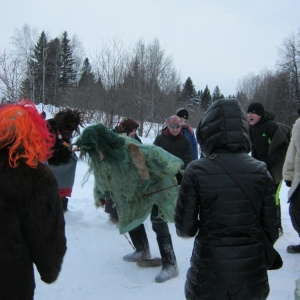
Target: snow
93, 267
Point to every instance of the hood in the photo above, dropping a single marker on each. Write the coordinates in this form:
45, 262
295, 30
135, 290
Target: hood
223, 128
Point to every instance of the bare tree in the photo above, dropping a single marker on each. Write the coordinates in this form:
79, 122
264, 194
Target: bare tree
11, 74
289, 62
110, 63
151, 83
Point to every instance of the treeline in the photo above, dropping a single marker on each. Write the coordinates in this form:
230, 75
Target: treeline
140, 81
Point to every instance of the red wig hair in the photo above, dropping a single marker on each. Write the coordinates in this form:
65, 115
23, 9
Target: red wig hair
24, 133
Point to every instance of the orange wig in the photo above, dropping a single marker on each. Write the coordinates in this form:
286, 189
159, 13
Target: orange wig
24, 133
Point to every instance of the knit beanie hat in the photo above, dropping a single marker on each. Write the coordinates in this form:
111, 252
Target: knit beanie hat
256, 108
128, 125
182, 113
173, 121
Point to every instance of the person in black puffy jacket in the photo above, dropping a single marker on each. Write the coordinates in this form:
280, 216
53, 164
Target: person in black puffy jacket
32, 221
228, 259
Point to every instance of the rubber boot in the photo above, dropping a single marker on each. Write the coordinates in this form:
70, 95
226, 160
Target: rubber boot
140, 242
169, 265
64, 202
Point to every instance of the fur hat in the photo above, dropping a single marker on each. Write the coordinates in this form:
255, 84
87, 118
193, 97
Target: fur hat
182, 113
128, 125
256, 108
68, 120
173, 121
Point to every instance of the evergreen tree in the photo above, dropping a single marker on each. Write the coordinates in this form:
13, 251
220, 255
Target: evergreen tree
188, 90
39, 57
87, 77
206, 98
67, 62
217, 94
53, 72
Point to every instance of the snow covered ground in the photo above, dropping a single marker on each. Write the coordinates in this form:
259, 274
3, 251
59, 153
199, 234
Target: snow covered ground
93, 267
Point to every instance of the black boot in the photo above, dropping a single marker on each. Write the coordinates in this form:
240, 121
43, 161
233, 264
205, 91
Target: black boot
293, 249
169, 265
64, 202
140, 242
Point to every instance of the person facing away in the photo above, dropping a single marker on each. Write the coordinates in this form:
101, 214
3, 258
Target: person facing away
32, 221
141, 180
188, 131
228, 259
291, 175
65, 125
269, 143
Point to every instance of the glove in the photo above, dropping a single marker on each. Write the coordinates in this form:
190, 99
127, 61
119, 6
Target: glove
102, 201
288, 183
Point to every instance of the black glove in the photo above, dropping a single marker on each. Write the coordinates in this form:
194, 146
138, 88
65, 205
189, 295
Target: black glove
288, 183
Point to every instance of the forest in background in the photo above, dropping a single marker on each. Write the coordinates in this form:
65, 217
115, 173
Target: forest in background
138, 81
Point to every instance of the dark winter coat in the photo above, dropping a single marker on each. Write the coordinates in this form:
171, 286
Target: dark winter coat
228, 257
269, 144
189, 133
177, 145
61, 153
32, 228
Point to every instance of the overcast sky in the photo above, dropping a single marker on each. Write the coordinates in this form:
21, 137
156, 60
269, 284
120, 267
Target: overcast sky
215, 42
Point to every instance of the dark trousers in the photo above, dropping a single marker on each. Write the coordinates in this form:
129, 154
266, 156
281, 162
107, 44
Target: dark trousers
294, 210
159, 226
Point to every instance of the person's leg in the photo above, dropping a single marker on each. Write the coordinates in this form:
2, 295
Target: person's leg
277, 188
140, 242
294, 211
169, 265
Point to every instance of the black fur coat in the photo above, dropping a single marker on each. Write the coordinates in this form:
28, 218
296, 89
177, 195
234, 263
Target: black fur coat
32, 228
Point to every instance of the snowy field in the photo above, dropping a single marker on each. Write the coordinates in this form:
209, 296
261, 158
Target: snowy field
93, 267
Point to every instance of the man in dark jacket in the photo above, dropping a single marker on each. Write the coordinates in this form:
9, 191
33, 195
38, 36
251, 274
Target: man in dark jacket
32, 221
228, 260
269, 144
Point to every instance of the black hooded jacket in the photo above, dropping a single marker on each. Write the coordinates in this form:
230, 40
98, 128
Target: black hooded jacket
228, 256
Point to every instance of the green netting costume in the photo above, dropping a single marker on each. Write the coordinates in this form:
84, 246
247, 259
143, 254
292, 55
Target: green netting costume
136, 176
141, 180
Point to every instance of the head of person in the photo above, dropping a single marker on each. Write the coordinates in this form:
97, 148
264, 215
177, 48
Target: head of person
173, 123
183, 114
67, 123
223, 128
129, 126
24, 133
96, 139
255, 112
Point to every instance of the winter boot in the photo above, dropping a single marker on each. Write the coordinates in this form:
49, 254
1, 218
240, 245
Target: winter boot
169, 265
140, 241
64, 202
293, 249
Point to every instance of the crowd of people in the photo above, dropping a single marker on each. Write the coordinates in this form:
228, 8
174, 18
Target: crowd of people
205, 197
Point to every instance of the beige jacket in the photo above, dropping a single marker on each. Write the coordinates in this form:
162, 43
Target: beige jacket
291, 167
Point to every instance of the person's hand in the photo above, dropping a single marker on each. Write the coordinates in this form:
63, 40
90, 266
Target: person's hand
100, 203
288, 183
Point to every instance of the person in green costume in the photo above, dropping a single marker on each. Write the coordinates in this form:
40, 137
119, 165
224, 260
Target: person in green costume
141, 180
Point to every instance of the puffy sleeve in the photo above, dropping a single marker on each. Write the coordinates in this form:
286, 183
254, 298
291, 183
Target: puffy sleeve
44, 226
187, 207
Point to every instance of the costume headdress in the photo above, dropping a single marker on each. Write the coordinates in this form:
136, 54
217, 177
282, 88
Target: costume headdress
24, 133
